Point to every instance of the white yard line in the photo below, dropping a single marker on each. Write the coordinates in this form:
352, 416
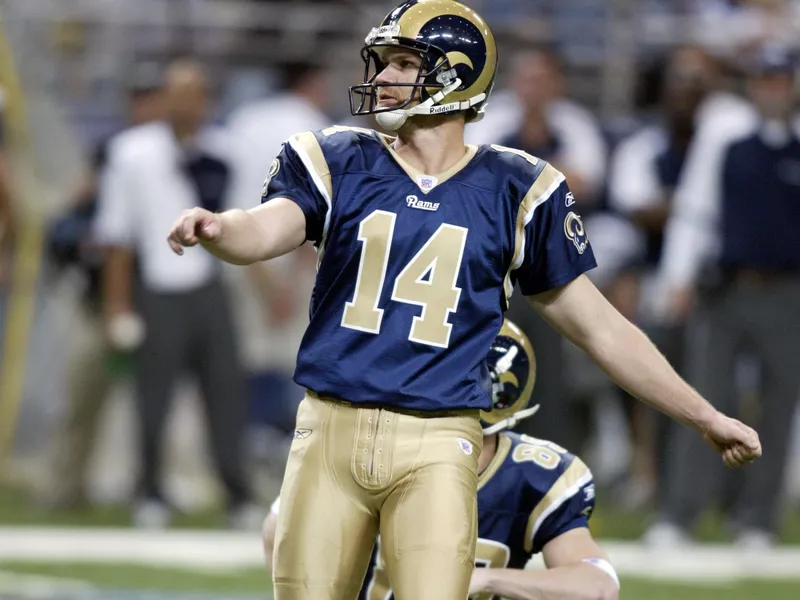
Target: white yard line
41, 587
181, 549
225, 551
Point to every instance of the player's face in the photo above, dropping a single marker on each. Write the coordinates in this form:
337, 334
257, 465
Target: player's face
402, 66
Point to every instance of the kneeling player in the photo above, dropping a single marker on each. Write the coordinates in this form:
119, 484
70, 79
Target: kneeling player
533, 496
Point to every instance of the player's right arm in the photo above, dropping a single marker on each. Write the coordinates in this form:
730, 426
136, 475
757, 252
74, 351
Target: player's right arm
242, 237
296, 202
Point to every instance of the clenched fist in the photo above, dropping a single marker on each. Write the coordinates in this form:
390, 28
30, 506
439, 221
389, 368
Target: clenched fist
736, 442
192, 227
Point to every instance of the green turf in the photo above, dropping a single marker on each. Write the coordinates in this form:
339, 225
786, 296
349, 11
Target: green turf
638, 589
16, 508
135, 577
254, 581
608, 522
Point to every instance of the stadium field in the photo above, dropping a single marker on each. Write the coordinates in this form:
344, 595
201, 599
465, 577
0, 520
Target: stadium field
95, 555
42, 581
18, 509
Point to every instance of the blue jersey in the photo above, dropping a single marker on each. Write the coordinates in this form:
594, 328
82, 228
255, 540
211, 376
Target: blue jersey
414, 272
532, 492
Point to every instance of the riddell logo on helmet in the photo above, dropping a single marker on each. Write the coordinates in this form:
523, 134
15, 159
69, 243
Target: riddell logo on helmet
436, 110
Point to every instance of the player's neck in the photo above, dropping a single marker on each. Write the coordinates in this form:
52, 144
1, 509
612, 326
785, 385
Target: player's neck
488, 452
431, 150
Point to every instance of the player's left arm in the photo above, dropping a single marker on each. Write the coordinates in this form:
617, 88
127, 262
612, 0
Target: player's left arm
577, 569
550, 272
582, 314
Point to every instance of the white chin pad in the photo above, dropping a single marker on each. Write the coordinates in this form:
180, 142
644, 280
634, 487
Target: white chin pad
392, 120
395, 119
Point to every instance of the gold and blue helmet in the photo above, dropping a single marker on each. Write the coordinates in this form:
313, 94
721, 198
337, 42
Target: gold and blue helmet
459, 61
512, 368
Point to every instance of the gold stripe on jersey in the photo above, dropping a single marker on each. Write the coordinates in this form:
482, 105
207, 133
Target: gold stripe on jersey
307, 142
503, 447
307, 146
539, 192
565, 487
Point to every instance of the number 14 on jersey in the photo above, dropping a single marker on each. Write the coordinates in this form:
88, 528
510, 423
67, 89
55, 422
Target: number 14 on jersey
428, 280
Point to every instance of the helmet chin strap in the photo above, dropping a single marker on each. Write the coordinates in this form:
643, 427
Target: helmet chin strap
395, 119
511, 421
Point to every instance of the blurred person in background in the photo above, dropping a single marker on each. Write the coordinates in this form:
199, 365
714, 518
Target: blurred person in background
732, 247
645, 171
154, 172
534, 115
72, 247
734, 27
537, 118
271, 299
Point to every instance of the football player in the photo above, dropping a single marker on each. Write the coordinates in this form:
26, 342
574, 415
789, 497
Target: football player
421, 240
533, 496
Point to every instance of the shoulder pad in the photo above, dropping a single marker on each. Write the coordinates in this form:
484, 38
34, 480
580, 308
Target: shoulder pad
542, 461
341, 136
345, 148
535, 179
518, 161
338, 139
307, 146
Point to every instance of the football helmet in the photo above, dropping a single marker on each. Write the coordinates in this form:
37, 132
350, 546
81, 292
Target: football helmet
459, 62
512, 368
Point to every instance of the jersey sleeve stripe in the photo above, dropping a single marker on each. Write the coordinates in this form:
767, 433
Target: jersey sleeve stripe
310, 152
571, 481
545, 185
548, 182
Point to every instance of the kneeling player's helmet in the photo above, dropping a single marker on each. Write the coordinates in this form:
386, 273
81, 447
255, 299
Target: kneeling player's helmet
459, 61
512, 367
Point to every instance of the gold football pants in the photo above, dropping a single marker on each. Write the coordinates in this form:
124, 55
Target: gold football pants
356, 472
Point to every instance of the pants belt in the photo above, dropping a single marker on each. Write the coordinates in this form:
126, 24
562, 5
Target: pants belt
423, 414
